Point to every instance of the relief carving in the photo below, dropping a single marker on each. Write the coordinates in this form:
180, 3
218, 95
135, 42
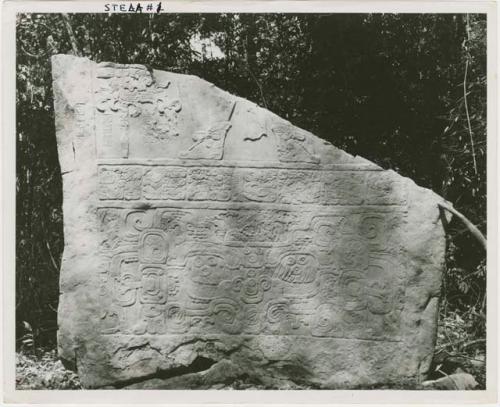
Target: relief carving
250, 275
153, 286
175, 319
128, 98
299, 187
209, 184
163, 123
327, 231
293, 146
227, 315
385, 189
109, 227
154, 247
257, 185
325, 322
206, 268
250, 287
165, 183
280, 317
194, 230
209, 143
120, 182
372, 227
138, 221
263, 185
297, 268
152, 320
343, 187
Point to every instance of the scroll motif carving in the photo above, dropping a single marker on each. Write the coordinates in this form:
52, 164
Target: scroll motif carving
281, 318
227, 315
326, 321
176, 319
249, 274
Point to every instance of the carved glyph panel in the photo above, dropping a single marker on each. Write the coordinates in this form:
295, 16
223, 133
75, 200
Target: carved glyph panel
235, 271
260, 185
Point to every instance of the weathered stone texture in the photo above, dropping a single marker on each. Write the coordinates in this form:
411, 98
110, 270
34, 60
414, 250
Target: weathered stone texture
208, 239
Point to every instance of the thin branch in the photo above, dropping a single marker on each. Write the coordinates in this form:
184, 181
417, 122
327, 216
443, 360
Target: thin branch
456, 355
462, 231
466, 345
467, 56
472, 228
52, 308
71, 35
42, 53
247, 62
52, 257
483, 308
259, 86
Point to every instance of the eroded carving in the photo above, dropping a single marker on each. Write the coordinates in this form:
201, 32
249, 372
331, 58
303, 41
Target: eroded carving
250, 287
293, 146
209, 144
227, 315
165, 183
129, 99
120, 182
193, 229
249, 263
385, 189
154, 247
209, 184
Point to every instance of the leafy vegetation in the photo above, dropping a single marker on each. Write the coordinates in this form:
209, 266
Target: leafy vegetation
405, 91
41, 370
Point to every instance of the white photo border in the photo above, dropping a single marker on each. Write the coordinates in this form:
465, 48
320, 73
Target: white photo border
247, 397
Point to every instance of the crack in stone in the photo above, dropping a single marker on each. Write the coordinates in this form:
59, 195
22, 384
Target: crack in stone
192, 341
199, 364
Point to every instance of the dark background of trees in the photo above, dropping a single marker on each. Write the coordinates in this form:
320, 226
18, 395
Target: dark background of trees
388, 87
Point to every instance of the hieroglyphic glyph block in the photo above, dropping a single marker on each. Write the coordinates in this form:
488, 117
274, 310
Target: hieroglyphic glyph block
209, 237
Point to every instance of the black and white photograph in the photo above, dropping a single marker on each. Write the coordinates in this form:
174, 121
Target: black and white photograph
249, 200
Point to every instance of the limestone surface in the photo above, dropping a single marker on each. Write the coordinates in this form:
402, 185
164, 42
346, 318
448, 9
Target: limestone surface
208, 240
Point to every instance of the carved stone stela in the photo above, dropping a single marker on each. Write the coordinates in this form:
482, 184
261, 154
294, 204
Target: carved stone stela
209, 237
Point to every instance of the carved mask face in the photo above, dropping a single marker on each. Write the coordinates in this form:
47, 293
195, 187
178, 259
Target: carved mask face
297, 269
207, 269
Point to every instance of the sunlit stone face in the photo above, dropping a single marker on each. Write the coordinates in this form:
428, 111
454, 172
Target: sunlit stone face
199, 226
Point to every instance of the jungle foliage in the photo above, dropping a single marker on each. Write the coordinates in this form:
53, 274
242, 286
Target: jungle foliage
405, 91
